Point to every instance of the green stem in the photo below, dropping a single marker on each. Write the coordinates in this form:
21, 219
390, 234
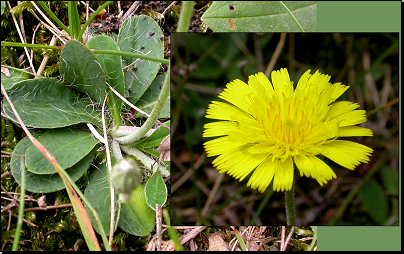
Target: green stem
133, 55
293, 16
290, 207
185, 16
108, 52
29, 45
116, 150
165, 92
21, 208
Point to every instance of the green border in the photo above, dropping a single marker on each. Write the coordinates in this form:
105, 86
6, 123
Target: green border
359, 16
351, 238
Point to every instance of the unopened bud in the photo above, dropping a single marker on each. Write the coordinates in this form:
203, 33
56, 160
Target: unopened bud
126, 178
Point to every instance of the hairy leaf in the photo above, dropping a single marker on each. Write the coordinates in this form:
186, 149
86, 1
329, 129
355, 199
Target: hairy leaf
47, 103
140, 35
80, 68
9, 77
112, 67
67, 145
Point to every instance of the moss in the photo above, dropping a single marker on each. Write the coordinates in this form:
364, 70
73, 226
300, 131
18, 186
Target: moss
297, 245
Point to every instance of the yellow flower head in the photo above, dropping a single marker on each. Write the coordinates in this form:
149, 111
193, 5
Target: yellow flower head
267, 128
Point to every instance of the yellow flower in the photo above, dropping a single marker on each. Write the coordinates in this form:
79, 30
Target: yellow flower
268, 128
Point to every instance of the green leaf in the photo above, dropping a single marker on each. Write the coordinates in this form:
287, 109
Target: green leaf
261, 16
15, 77
47, 103
67, 145
136, 217
374, 201
156, 191
45, 183
112, 67
390, 178
80, 68
142, 35
99, 195
149, 98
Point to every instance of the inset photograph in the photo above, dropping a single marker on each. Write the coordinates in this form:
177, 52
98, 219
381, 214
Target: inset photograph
284, 129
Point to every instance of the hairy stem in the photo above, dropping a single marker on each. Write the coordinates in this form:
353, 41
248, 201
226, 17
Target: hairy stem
165, 92
146, 160
290, 207
116, 150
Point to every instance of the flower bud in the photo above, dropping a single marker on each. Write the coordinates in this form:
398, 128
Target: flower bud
126, 177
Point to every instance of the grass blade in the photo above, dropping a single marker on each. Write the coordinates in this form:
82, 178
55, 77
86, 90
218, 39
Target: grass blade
50, 13
74, 20
239, 239
172, 232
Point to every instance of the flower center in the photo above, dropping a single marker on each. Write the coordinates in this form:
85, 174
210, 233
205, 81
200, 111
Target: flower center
294, 126
289, 124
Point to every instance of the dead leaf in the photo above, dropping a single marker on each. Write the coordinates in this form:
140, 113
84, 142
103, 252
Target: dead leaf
164, 149
5, 71
216, 243
42, 201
